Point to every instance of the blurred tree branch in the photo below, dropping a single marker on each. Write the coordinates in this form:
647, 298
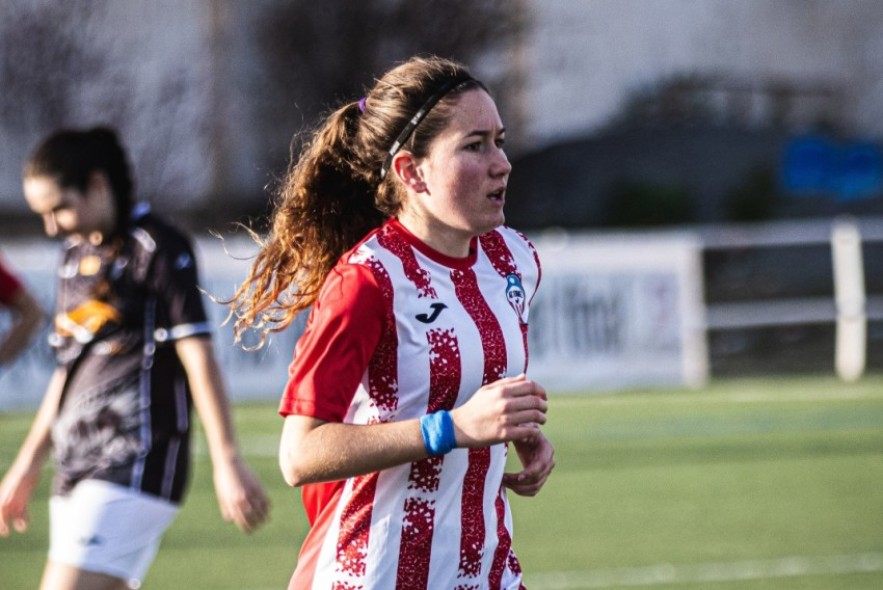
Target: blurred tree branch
44, 64
317, 54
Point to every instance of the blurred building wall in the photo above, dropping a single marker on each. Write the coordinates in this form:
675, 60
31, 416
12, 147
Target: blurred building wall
187, 83
588, 55
144, 67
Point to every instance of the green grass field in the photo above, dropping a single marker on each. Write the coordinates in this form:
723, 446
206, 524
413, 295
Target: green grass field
748, 484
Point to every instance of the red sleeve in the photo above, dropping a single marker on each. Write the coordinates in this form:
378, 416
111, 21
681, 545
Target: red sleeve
9, 286
340, 337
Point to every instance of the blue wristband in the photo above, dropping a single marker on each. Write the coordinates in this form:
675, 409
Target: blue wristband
438, 432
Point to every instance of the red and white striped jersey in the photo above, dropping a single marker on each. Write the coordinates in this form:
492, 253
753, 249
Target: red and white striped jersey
400, 331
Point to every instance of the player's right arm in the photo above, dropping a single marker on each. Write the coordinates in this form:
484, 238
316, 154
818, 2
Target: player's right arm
24, 473
313, 450
340, 338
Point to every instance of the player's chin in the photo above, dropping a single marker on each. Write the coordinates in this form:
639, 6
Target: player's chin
499, 218
489, 220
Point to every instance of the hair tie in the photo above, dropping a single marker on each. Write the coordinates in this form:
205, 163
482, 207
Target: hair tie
362, 104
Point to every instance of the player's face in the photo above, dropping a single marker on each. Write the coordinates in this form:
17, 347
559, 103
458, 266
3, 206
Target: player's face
465, 174
68, 211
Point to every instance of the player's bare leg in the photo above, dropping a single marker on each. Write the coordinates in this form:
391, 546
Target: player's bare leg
59, 576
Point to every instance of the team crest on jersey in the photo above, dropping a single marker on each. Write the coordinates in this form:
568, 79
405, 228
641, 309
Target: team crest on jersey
515, 296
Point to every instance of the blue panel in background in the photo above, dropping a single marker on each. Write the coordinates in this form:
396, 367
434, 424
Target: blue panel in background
860, 172
814, 165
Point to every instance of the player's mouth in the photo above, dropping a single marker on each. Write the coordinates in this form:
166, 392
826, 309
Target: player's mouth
498, 196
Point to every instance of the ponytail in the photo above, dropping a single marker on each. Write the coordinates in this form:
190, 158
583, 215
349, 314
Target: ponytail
336, 192
325, 206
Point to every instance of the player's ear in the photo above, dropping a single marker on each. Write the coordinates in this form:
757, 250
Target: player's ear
405, 167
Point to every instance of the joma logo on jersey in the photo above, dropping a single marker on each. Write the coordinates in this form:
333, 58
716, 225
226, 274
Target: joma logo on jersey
429, 318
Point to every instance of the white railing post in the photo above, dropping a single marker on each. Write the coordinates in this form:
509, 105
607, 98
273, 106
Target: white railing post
850, 299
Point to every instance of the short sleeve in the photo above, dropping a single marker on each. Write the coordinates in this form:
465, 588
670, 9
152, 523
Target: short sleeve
337, 345
175, 280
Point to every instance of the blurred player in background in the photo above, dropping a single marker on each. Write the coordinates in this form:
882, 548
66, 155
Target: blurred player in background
134, 352
26, 316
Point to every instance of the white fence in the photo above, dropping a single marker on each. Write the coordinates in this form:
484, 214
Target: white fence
849, 309
614, 311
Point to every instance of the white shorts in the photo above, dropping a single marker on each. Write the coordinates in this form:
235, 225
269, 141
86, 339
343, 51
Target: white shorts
106, 528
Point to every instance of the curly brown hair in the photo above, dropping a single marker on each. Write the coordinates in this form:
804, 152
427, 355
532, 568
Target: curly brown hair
334, 193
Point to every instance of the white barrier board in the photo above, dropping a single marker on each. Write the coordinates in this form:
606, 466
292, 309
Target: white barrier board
611, 313
617, 312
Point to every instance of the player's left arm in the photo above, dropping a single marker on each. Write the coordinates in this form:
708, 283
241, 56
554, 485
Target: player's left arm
241, 496
536, 452
174, 278
537, 457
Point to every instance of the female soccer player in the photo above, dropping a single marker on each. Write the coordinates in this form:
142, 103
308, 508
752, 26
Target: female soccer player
134, 349
409, 380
